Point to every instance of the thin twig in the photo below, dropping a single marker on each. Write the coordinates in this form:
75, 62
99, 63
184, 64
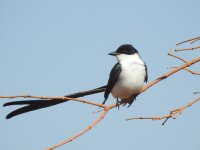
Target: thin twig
173, 113
106, 109
64, 98
97, 111
192, 39
170, 53
173, 55
189, 63
190, 71
185, 61
195, 40
185, 49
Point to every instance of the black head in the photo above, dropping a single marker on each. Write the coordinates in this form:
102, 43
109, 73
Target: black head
127, 49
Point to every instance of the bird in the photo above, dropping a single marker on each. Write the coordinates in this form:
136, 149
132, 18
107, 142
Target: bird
125, 82
128, 75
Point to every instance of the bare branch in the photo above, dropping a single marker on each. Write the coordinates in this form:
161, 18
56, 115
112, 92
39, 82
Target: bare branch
185, 49
185, 61
173, 55
189, 63
189, 40
190, 71
173, 113
53, 98
195, 40
106, 109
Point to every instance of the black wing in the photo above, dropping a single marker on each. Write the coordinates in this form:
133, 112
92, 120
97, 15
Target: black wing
114, 74
146, 77
32, 105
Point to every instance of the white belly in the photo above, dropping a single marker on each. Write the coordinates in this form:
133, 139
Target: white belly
130, 81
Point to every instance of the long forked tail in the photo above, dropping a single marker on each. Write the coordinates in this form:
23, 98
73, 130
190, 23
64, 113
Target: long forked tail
32, 105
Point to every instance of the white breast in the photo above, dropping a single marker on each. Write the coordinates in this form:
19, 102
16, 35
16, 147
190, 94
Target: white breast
131, 78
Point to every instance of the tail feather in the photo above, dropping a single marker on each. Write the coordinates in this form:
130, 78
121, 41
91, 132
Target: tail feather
26, 102
129, 100
32, 105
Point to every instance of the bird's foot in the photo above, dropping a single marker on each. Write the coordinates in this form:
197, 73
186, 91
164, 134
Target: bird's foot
118, 103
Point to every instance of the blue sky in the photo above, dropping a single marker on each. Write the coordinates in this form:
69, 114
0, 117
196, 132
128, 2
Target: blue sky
60, 47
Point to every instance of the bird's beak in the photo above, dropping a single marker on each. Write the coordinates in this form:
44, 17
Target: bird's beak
113, 53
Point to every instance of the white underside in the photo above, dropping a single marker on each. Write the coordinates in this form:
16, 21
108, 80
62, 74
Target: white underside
132, 76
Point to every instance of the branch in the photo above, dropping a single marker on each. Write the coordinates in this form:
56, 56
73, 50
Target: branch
106, 109
185, 49
192, 40
173, 55
55, 97
195, 40
189, 63
173, 113
185, 61
190, 71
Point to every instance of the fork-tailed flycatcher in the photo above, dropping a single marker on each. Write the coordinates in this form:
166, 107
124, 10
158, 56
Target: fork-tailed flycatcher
127, 76
125, 82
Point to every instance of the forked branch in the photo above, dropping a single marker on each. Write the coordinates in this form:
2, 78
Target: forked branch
192, 40
173, 113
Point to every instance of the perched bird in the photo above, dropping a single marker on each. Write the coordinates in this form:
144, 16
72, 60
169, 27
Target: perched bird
125, 82
127, 76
